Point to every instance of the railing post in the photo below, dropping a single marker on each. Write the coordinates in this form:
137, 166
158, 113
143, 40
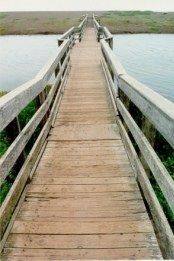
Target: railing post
150, 132
40, 100
12, 131
110, 40
126, 101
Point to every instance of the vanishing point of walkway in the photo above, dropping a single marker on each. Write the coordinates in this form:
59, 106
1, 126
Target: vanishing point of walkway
83, 201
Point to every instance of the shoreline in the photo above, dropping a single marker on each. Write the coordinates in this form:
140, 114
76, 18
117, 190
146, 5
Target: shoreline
118, 22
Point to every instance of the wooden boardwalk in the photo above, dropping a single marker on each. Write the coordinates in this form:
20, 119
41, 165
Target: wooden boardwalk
83, 201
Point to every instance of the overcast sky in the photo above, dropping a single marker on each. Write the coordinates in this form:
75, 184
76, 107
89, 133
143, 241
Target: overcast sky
78, 5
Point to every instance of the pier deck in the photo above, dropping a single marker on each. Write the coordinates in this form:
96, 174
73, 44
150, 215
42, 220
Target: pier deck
83, 201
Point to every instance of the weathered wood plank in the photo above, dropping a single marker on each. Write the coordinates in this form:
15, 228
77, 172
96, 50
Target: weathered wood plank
81, 132
126, 195
82, 254
78, 181
83, 188
128, 217
63, 228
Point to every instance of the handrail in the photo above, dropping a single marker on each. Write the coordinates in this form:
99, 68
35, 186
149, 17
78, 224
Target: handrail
47, 104
70, 34
103, 32
111, 58
81, 27
12, 103
159, 112
67, 34
82, 24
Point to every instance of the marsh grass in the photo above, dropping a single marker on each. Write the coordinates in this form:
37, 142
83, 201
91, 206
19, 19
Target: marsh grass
35, 25
138, 22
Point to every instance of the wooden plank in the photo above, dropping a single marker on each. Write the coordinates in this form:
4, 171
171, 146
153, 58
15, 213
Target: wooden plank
86, 144
82, 202
77, 207
49, 214
126, 195
83, 254
87, 121
79, 173
72, 160
83, 188
81, 132
83, 152
85, 241
128, 217
78, 181
88, 171
82, 163
64, 228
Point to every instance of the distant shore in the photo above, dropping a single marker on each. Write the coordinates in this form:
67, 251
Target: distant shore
18, 23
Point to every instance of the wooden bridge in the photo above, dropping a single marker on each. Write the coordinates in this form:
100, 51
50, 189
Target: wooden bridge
82, 191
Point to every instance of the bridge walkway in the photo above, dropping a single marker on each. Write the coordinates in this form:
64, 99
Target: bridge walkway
83, 201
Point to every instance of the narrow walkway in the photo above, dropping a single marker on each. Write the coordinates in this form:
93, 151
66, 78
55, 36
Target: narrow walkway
83, 202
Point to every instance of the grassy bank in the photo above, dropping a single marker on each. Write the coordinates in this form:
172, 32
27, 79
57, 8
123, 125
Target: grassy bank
59, 22
138, 22
16, 23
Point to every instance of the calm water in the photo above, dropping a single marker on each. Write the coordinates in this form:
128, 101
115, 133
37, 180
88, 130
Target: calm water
149, 58
22, 57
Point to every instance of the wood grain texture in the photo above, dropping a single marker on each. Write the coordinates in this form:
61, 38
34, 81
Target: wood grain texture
83, 201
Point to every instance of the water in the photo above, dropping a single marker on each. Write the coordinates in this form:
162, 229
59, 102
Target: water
149, 58
22, 57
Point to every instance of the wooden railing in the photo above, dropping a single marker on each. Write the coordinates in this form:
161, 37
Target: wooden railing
48, 100
102, 32
157, 114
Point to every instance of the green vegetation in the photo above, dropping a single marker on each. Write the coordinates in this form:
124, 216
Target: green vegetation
24, 117
2, 16
138, 22
31, 24
58, 22
165, 152
3, 30
2, 93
